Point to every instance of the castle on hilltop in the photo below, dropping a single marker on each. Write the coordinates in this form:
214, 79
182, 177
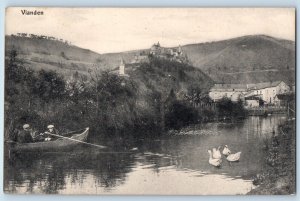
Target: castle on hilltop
174, 54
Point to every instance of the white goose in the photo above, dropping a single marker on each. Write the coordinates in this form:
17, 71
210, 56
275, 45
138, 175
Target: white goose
214, 161
234, 157
216, 153
226, 151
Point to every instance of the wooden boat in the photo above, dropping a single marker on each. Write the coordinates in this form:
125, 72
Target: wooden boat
64, 143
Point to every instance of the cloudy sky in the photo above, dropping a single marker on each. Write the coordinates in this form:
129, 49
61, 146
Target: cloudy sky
119, 29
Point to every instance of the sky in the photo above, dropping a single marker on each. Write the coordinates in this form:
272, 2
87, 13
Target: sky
105, 30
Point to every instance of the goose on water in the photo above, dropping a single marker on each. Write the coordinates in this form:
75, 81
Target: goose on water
214, 161
226, 151
234, 157
216, 153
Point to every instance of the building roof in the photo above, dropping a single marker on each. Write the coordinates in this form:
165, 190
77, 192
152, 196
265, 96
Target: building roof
229, 87
264, 85
244, 87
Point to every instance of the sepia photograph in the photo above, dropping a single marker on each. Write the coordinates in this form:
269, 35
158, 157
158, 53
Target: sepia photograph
150, 101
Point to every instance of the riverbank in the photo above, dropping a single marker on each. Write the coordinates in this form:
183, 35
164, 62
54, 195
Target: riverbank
279, 175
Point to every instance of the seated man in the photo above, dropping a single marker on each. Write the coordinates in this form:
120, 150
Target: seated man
24, 136
50, 133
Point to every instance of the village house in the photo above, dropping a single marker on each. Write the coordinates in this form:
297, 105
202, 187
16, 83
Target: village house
253, 95
253, 100
231, 91
268, 91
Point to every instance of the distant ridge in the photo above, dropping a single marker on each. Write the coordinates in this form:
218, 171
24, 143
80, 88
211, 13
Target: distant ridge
52, 54
246, 59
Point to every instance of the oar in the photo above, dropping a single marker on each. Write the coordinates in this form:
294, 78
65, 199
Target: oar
96, 145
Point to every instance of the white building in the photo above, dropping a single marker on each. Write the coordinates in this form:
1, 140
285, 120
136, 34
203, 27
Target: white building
253, 100
266, 91
231, 91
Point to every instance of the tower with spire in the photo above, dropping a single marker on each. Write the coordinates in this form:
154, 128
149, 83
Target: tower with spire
179, 49
122, 68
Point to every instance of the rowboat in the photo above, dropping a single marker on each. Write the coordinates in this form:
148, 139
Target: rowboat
64, 143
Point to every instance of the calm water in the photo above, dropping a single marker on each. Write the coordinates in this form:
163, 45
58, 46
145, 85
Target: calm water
173, 165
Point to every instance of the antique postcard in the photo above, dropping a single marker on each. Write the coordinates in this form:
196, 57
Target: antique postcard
150, 101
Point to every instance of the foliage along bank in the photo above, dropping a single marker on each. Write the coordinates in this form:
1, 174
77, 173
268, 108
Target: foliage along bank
158, 96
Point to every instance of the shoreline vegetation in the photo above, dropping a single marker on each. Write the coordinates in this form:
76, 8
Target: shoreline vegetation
278, 176
159, 95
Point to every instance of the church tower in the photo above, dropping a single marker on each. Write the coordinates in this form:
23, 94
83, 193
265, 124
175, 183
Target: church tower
179, 49
122, 68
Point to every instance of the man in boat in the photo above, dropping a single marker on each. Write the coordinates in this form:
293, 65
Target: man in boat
24, 136
50, 133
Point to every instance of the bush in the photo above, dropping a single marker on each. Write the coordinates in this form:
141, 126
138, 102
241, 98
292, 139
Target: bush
207, 115
179, 115
227, 108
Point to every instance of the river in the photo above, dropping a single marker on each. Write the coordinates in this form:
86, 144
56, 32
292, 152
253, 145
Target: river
171, 165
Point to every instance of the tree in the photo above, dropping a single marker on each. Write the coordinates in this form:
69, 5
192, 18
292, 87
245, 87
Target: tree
75, 89
227, 108
18, 82
63, 55
224, 107
114, 100
49, 86
179, 114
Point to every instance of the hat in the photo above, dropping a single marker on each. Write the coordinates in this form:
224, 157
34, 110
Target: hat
26, 126
50, 126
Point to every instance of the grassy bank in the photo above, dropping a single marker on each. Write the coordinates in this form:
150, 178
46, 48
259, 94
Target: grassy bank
279, 175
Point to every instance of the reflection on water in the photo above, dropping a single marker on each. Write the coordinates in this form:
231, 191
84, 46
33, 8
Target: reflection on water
173, 165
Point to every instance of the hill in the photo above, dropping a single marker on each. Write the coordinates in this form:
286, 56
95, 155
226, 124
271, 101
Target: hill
247, 59
52, 54
162, 75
